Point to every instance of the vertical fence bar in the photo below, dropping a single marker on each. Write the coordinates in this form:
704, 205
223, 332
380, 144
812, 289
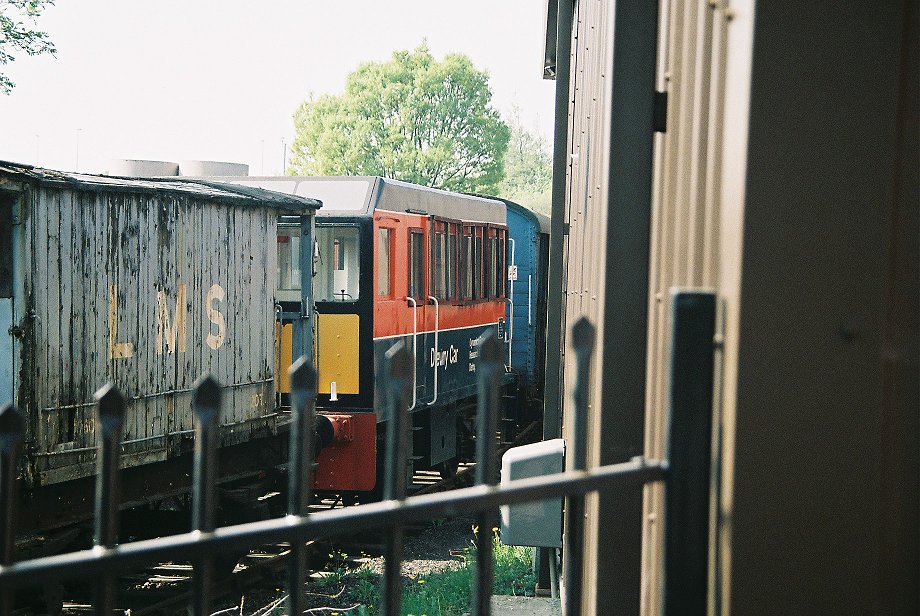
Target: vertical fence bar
300, 465
110, 416
206, 399
583, 335
11, 426
690, 399
490, 369
398, 367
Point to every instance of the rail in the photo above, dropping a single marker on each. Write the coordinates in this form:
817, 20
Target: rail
686, 473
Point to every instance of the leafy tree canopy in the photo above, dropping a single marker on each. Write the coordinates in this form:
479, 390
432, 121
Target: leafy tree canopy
528, 168
17, 17
411, 118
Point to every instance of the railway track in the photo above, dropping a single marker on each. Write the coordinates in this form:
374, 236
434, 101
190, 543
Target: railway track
165, 588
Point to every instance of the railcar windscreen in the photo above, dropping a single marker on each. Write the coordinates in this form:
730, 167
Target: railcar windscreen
338, 264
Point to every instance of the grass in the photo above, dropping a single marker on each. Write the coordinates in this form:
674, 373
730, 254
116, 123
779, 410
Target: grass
443, 593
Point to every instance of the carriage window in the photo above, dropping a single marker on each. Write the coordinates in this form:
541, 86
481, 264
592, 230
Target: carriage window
384, 261
501, 270
452, 264
417, 264
466, 267
477, 265
338, 266
439, 266
489, 262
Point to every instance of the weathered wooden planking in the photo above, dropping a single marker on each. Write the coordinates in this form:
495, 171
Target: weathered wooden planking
116, 265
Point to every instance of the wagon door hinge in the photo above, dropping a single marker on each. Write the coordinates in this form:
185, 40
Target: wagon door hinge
660, 113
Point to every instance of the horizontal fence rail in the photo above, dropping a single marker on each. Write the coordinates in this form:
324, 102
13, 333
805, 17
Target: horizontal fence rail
106, 558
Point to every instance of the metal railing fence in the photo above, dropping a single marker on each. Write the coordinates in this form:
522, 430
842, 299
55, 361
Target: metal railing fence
686, 473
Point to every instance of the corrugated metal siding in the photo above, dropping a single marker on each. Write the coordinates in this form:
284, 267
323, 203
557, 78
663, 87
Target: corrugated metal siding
685, 220
684, 242
85, 249
586, 215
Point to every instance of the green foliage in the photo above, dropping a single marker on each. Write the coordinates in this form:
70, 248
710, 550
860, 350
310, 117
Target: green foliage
411, 118
449, 592
528, 168
16, 34
443, 593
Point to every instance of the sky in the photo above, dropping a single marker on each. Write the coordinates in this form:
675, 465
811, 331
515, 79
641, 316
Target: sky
220, 80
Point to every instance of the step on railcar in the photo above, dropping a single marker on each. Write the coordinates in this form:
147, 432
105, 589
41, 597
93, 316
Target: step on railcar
395, 261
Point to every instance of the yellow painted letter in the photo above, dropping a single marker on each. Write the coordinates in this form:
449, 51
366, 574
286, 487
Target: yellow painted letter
215, 316
117, 350
170, 331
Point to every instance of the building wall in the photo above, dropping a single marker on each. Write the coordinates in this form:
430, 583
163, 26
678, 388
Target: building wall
830, 184
787, 182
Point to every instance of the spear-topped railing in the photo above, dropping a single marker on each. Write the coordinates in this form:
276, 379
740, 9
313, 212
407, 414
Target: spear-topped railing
686, 472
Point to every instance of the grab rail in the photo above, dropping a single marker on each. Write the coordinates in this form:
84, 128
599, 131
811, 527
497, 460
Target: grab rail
414, 348
510, 330
437, 309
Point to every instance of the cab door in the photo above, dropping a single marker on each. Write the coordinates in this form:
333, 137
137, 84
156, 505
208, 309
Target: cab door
293, 299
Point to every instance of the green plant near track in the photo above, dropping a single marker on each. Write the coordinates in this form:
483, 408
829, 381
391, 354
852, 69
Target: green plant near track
443, 593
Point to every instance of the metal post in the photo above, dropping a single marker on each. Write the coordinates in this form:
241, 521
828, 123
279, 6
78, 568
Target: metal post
110, 415
629, 134
554, 303
11, 425
398, 365
552, 389
206, 398
690, 408
300, 465
583, 335
490, 368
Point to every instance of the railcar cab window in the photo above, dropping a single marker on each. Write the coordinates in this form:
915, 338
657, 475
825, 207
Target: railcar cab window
288, 262
417, 264
338, 264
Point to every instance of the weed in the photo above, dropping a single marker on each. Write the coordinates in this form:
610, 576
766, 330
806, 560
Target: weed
443, 593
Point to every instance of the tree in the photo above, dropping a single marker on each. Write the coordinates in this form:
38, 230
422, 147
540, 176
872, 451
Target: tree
528, 168
411, 118
16, 34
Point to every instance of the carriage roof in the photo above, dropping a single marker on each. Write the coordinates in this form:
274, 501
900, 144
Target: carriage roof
361, 196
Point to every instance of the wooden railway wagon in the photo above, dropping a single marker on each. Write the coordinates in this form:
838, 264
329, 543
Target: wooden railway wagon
147, 284
398, 262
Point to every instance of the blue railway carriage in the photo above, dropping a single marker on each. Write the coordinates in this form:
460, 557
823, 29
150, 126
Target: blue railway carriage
526, 313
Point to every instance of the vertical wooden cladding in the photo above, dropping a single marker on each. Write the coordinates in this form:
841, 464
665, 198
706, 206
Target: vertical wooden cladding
685, 219
148, 290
